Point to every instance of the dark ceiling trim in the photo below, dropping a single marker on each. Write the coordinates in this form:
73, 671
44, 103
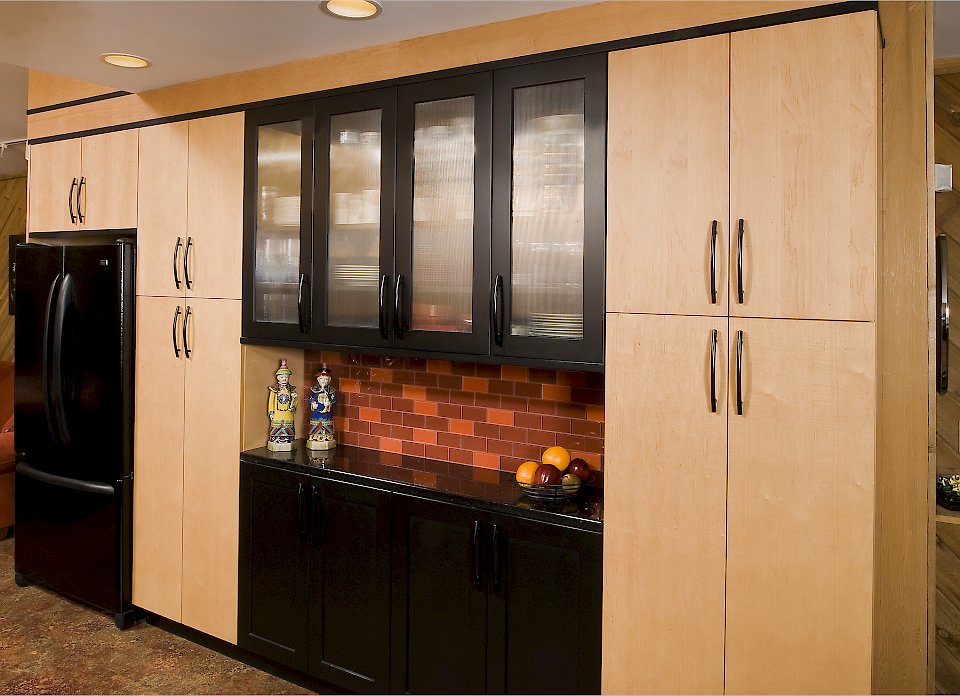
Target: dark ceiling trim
769, 20
77, 102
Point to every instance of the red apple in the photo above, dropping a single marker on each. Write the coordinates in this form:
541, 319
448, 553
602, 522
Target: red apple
579, 467
547, 474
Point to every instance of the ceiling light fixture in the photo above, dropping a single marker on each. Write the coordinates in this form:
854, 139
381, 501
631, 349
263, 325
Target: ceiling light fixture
351, 9
125, 60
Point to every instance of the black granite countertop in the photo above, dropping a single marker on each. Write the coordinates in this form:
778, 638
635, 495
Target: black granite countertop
486, 489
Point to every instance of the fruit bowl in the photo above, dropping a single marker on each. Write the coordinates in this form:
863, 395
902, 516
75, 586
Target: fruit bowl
948, 492
550, 492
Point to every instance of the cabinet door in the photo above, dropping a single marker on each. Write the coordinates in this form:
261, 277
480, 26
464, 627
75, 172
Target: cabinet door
211, 450
664, 504
439, 638
354, 219
350, 586
54, 177
803, 169
214, 244
162, 210
549, 196
801, 507
443, 215
668, 174
158, 457
544, 612
278, 222
108, 189
273, 564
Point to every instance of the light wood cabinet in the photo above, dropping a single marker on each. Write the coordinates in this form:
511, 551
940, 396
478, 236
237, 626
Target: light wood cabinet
87, 183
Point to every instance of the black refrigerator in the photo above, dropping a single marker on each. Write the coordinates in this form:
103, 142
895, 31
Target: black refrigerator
73, 415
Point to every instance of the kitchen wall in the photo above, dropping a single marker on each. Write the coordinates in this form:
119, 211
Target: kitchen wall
490, 416
13, 220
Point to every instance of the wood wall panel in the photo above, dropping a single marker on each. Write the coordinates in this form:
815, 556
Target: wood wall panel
13, 220
549, 31
47, 89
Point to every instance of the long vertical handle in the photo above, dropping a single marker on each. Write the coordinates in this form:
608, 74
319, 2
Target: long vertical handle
398, 318
943, 291
302, 319
52, 298
176, 259
713, 263
739, 373
73, 186
83, 182
477, 560
186, 322
301, 515
316, 507
496, 309
382, 315
496, 557
713, 371
176, 320
740, 261
186, 263
65, 300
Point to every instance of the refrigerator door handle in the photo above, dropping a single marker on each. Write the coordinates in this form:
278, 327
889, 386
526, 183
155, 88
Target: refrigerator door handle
52, 298
64, 482
65, 300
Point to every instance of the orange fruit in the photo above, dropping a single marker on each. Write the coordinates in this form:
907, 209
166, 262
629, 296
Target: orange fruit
557, 456
526, 471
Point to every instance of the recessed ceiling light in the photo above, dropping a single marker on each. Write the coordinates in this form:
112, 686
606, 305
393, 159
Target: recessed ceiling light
351, 9
124, 60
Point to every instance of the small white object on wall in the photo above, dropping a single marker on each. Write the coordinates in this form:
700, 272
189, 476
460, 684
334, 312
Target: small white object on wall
943, 177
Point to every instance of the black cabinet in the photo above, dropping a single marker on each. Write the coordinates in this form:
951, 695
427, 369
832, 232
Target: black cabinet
486, 603
314, 576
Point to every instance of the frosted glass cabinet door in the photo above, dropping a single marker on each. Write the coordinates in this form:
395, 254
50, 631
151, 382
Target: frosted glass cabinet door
354, 218
277, 222
443, 215
548, 241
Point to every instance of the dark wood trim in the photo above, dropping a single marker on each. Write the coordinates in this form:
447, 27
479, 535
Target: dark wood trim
77, 102
774, 19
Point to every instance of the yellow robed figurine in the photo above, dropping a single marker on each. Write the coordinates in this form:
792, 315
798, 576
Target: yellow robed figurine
282, 407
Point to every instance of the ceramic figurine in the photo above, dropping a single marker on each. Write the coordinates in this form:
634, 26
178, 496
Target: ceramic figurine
322, 398
282, 407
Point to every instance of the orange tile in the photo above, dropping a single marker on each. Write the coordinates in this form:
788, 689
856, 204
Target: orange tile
379, 374
428, 437
475, 384
486, 461
592, 459
426, 408
439, 367
595, 413
370, 414
389, 444
411, 391
425, 478
349, 385
553, 392
499, 416
461, 427
515, 373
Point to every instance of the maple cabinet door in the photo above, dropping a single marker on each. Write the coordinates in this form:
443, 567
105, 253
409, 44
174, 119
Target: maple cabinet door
108, 190
53, 182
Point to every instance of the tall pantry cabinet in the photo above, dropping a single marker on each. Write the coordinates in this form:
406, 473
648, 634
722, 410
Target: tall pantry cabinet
187, 433
741, 337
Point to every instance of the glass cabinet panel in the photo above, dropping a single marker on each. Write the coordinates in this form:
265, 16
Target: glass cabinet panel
443, 208
547, 219
277, 222
353, 236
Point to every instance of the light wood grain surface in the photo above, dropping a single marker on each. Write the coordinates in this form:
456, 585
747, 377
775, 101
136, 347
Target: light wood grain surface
668, 176
53, 166
260, 365
109, 168
47, 89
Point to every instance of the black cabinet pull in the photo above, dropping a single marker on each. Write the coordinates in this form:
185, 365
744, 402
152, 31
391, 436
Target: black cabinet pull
176, 259
186, 322
739, 373
83, 182
382, 316
73, 186
713, 371
302, 319
740, 261
496, 309
316, 505
398, 319
301, 515
477, 529
176, 318
713, 263
186, 263
496, 557
943, 301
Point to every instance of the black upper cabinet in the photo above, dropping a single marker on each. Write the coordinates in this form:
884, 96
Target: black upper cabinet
549, 220
278, 222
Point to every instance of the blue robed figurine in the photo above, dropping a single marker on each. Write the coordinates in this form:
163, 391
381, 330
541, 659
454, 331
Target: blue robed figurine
322, 397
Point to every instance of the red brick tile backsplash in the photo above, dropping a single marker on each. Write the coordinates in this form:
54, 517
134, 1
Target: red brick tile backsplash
488, 416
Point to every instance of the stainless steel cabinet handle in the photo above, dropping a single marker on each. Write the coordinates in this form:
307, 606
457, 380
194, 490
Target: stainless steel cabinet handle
186, 263
713, 263
739, 373
83, 182
740, 261
186, 323
713, 371
73, 186
176, 318
176, 258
